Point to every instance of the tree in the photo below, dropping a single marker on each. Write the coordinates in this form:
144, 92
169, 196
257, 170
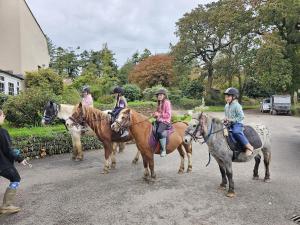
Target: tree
66, 62
272, 68
282, 17
152, 71
208, 29
46, 79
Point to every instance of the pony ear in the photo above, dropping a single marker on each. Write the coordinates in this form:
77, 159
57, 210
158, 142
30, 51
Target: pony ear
51, 103
80, 105
127, 111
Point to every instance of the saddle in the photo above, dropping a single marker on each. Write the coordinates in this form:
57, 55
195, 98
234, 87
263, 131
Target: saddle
154, 140
252, 137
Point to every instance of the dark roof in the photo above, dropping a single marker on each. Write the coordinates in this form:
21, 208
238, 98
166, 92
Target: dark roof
34, 18
18, 76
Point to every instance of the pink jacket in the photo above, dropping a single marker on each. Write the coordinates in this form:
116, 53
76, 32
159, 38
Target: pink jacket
88, 100
165, 112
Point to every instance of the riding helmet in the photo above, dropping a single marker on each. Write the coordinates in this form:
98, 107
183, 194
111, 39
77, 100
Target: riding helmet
86, 88
118, 90
232, 91
161, 91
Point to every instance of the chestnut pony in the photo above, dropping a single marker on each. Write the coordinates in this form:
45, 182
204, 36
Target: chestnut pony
99, 122
141, 128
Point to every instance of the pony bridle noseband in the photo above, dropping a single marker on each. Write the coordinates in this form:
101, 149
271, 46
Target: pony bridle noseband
78, 122
194, 134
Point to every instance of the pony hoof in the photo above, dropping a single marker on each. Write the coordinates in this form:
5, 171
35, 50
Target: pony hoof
267, 180
153, 176
135, 161
255, 178
222, 188
230, 194
180, 171
113, 165
189, 170
78, 159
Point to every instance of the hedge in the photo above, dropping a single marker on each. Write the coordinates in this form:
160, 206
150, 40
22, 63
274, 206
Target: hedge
60, 143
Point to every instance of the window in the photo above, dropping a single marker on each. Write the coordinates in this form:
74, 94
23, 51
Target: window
11, 89
18, 90
2, 87
1, 78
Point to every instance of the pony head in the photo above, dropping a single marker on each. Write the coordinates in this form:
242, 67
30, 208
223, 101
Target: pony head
122, 121
78, 116
197, 127
50, 112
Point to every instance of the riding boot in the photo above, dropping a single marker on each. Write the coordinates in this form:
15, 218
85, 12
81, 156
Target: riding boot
8, 201
163, 143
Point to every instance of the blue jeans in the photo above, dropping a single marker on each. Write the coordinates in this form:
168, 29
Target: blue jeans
238, 134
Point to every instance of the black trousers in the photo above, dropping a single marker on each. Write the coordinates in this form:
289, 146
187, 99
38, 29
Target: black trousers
11, 174
162, 129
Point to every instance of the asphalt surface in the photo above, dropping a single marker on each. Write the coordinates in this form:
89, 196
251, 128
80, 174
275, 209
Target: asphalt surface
57, 191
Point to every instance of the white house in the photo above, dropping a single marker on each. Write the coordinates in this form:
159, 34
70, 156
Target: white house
23, 44
11, 84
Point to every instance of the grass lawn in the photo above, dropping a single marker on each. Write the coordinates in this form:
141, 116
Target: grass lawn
35, 131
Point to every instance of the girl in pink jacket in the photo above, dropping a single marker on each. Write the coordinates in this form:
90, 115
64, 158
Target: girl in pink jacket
87, 99
163, 119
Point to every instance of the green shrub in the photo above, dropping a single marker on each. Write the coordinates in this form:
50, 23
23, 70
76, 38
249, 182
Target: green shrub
46, 79
26, 109
193, 89
214, 98
249, 101
175, 95
106, 99
71, 96
187, 103
3, 99
132, 92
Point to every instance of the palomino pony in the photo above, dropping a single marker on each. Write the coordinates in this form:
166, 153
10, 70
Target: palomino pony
141, 129
63, 112
211, 130
99, 122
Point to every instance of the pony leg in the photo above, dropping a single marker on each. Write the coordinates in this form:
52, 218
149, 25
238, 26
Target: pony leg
181, 153
121, 147
189, 151
146, 172
108, 151
229, 175
136, 158
267, 160
77, 147
224, 179
255, 170
151, 166
113, 155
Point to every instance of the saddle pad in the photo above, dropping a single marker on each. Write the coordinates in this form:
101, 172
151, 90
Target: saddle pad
252, 137
153, 140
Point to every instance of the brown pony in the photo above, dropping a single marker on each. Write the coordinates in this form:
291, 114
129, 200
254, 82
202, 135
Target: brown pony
99, 122
141, 129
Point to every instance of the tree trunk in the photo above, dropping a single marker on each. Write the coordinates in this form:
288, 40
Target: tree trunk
240, 88
210, 79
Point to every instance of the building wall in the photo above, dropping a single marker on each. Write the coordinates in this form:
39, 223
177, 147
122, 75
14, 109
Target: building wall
23, 46
18, 83
34, 49
10, 57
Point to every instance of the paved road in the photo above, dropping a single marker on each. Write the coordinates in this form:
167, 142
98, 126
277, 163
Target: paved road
57, 191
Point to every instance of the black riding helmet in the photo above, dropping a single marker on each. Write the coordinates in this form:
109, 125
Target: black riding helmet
86, 89
232, 91
118, 90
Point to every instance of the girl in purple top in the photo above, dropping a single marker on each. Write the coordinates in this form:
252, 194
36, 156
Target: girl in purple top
163, 119
121, 103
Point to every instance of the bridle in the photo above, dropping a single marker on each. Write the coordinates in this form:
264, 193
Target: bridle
123, 126
201, 127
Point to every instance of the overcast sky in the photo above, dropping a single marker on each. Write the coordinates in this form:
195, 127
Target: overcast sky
125, 25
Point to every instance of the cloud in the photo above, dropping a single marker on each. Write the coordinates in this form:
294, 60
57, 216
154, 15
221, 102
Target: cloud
127, 26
